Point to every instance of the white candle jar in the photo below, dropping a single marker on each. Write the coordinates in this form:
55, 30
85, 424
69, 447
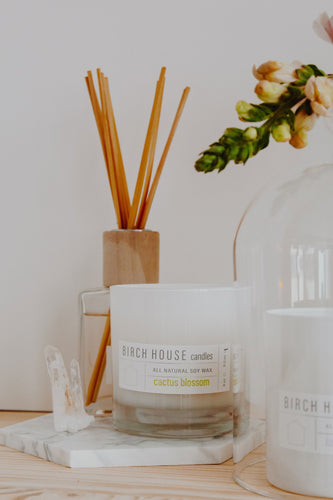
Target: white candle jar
299, 400
171, 358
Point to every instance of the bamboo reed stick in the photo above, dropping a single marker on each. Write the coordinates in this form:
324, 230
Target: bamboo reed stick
115, 158
101, 130
118, 155
109, 154
98, 363
142, 222
152, 149
111, 146
144, 159
100, 76
97, 114
101, 372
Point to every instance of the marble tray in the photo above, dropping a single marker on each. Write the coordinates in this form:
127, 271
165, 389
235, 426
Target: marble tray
100, 445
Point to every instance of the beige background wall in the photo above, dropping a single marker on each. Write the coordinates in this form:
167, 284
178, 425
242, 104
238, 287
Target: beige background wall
54, 200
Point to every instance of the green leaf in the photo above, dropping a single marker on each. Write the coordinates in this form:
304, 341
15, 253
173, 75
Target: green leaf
233, 152
232, 135
294, 93
251, 147
244, 154
316, 71
305, 72
206, 163
257, 112
263, 141
221, 164
289, 116
216, 148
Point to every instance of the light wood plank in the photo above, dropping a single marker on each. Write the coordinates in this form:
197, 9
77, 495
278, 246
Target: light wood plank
200, 482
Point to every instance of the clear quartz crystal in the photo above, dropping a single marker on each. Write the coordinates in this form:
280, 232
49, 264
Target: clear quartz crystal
94, 305
67, 398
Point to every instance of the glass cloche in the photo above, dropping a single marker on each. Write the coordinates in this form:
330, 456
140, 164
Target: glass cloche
284, 254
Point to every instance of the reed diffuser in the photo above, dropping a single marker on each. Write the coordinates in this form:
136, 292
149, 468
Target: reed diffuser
130, 252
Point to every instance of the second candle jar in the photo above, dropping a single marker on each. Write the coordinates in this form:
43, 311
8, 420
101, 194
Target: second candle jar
171, 358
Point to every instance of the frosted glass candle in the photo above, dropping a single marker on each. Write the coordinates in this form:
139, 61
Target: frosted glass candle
171, 358
300, 400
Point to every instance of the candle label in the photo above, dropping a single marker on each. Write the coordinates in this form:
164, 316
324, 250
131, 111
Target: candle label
174, 369
306, 422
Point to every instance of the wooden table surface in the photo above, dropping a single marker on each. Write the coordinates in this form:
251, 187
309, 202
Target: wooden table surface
24, 476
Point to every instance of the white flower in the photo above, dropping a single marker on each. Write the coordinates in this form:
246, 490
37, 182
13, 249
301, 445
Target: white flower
319, 90
275, 71
281, 132
250, 134
270, 91
300, 139
323, 27
303, 123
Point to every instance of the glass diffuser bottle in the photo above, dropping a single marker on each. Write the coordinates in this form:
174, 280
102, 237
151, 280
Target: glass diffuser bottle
129, 256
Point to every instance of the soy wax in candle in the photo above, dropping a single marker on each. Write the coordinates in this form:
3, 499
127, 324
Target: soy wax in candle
172, 359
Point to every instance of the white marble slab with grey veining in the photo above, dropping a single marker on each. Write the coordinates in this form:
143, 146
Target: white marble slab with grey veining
100, 445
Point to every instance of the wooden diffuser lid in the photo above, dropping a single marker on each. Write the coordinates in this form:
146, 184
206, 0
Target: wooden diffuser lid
130, 256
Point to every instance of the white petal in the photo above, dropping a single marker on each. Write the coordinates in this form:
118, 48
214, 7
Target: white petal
319, 27
309, 89
296, 64
283, 76
329, 28
255, 73
319, 109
